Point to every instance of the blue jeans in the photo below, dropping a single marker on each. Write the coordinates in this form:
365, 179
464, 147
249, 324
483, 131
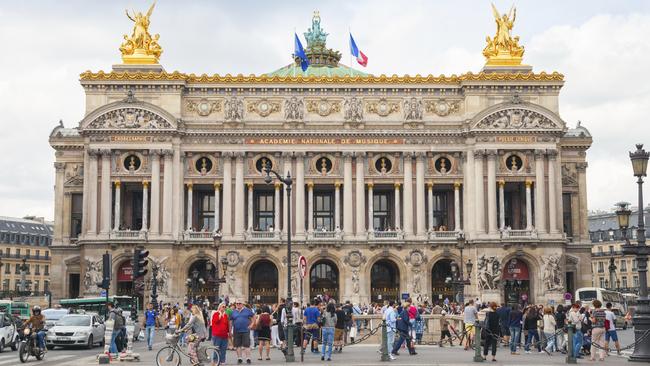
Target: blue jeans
150, 332
550, 341
390, 336
328, 341
113, 347
533, 335
403, 337
222, 345
515, 337
40, 337
577, 343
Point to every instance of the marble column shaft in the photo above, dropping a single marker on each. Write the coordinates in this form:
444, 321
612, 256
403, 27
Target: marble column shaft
529, 209
300, 194
250, 225
190, 211
502, 208
226, 226
167, 193
540, 193
337, 205
479, 186
276, 207
492, 192
430, 204
154, 225
59, 229
145, 206
217, 215
117, 216
239, 196
468, 193
371, 209
419, 195
92, 195
347, 195
310, 207
398, 207
360, 208
457, 219
105, 204
552, 196
408, 195
285, 196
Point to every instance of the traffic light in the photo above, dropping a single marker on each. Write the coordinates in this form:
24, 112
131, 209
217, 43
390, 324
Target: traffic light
106, 271
140, 263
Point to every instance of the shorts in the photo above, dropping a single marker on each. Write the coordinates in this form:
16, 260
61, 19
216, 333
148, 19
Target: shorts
505, 331
242, 340
469, 329
338, 334
611, 334
313, 333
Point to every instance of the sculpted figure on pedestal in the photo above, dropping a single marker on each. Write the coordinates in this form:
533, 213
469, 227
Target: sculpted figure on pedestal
552, 277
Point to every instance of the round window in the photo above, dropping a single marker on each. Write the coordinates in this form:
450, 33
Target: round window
132, 163
383, 165
514, 163
323, 165
443, 165
203, 165
263, 162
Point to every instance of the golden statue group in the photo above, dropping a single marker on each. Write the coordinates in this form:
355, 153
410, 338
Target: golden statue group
503, 49
140, 47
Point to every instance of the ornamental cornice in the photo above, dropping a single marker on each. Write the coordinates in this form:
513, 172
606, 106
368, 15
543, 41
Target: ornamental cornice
369, 79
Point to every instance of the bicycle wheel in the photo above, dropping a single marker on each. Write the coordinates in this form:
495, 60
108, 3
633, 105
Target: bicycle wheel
208, 353
168, 356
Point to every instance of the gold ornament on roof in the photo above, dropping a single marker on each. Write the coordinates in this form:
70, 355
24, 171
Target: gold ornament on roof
141, 48
503, 49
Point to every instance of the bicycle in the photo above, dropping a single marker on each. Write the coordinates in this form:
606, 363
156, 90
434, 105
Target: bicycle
170, 355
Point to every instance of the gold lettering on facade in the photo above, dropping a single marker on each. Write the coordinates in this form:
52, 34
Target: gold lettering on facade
516, 139
130, 138
323, 141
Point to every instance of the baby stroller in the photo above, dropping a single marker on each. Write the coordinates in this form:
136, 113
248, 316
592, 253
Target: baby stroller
586, 343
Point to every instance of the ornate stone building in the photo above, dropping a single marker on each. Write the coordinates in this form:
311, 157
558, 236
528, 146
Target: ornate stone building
391, 174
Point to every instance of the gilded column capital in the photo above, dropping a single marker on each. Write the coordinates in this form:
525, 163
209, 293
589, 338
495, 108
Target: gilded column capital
287, 154
397, 185
310, 184
407, 154
338, 184
528, 183
552, 154
430, 184
155, 153
250, 185
117, 184
227, 154
216, 186
457, 185
59, 166
105, 152
93, 153
370, 184
420, 155
277, 185
240, 155
167, 153
501, 183
189, 185
145, 184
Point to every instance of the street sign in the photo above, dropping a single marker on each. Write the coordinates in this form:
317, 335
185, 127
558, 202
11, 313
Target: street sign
568, 296
405, 295
102, 293
302, 266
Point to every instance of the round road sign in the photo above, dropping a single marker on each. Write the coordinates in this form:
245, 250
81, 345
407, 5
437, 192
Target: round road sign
302, 266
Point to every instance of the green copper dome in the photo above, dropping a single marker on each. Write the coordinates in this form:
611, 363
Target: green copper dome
323, 61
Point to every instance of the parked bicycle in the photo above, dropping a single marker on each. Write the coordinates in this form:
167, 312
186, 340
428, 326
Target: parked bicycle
170, 355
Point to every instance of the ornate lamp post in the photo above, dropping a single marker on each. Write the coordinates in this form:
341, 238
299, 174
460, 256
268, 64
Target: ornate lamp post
458, 280
216, 280
641, 319
287, 181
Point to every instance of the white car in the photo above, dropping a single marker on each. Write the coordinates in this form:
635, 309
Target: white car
53, 315
76, 330
8, 334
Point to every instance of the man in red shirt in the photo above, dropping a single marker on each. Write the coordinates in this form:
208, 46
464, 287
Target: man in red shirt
220, 329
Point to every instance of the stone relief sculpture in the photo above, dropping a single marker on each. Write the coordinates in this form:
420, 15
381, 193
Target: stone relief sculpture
417, 280
353, 109
413, 109
130, 118
264, 107
355, 281
382, 107
516, 118
416, 258
163, 276
92, 276
489, 272
294, 109
233, 109
442, 107
323, 107
552, 276
355, 258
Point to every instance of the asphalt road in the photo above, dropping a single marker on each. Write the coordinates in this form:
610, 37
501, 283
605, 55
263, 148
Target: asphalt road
358, 355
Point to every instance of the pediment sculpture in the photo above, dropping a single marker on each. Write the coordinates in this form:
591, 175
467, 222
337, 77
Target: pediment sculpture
233, 109
489, 272
353, 108
130, 118
294, 109
516, 118
413, 109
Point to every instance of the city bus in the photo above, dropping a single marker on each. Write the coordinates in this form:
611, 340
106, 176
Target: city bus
586, 295
98, 304
18, 308
630, 302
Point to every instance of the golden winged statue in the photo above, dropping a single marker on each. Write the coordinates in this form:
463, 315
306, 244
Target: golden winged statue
140, 47
503, 49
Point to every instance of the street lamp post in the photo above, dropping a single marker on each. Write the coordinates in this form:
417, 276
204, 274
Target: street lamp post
287, 181
641, 318
217, 281
458, 281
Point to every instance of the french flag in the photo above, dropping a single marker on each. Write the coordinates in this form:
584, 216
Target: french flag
361, 58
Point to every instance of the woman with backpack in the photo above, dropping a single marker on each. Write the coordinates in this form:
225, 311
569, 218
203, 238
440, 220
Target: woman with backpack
598, 331
549, 329
263, 326
328, 321
531, 317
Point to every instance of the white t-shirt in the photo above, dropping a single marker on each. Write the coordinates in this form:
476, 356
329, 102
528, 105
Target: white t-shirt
612, 319
470, 314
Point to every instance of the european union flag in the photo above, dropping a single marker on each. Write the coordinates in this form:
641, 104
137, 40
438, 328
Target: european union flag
300, 52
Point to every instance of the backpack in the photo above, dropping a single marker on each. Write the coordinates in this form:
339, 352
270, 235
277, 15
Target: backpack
119, 321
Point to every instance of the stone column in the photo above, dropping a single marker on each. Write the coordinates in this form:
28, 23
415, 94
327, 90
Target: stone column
468, 193
430, 202
92, 193
552, 197
167, 192
371, 208
58, 202
529, 209
492, 192
310, 207
226, 226
145, 205
337, 205
276, 207
347, 194
285, 197
558, 191
360, 208
117, 218
239, 196
85, 222
419, 195
155, 192
300, 195
502, 206
217, 216
67, 209
105, 204
582, 202
398, 207
250, 206
479, 186
540, 194
408, 195
177, 192
457, 226
190, 212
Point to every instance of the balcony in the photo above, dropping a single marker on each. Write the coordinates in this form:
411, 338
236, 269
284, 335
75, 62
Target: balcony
325, 235
386, 235
255, 235
197, 235
128, 234
518, 234
443, 235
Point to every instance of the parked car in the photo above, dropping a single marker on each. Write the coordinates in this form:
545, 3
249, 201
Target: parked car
8, 333
76, 330
53, 315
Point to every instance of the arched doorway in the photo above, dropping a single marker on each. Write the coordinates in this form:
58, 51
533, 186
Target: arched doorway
263, 283
324, 280
124, 278
516, 282
441, 288
200, 281
384, 281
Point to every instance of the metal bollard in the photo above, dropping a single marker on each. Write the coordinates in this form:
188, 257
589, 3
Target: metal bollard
477, 342
384, 342
570, 357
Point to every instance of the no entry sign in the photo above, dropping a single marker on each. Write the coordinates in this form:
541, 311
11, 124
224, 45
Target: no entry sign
302, 266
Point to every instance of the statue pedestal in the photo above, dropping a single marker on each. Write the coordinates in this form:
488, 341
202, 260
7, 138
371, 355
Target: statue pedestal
506, 68
138, 68
554, 298
491, 295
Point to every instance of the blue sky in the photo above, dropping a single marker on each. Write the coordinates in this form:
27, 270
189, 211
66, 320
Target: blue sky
602, 47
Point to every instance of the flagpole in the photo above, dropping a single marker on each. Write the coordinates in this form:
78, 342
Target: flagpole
294, 48
350, 45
